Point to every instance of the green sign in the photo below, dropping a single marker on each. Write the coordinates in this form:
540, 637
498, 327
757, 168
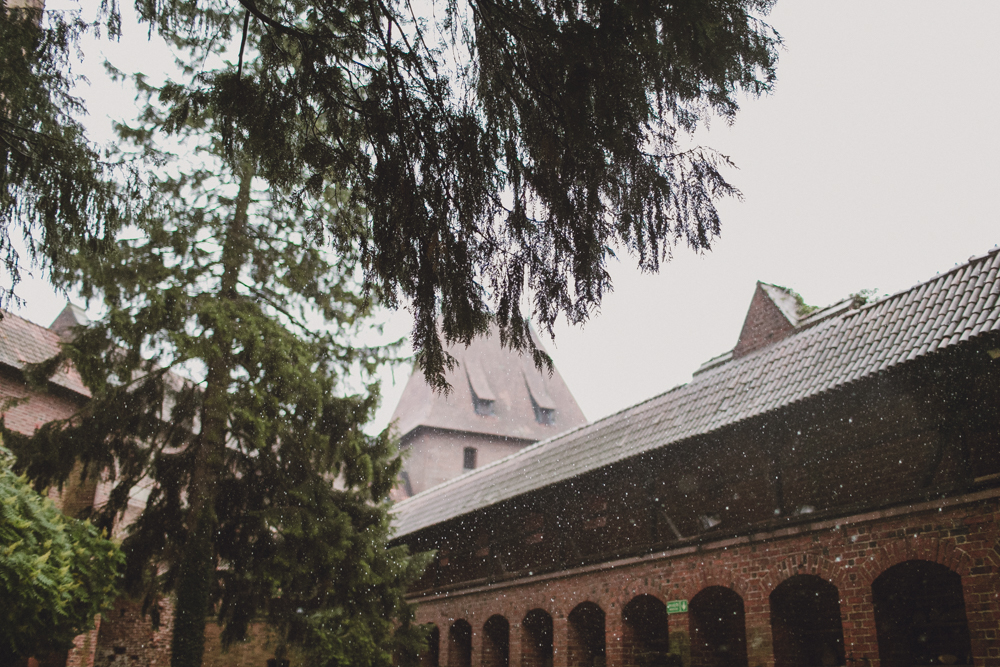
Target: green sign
677, 606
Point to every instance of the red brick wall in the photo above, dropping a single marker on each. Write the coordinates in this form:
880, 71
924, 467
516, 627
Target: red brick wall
30, 412
24, 411
126, 637
850, 553
765, 324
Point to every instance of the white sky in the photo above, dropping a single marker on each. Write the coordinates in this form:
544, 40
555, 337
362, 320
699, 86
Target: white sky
874, 164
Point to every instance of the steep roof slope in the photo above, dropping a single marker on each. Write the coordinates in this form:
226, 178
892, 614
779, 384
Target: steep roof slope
846, 346
487, 371
23, 342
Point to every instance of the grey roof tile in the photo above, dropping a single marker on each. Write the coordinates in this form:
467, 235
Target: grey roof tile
958, 305
486, 370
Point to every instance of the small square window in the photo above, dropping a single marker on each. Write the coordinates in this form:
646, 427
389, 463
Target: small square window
469, 458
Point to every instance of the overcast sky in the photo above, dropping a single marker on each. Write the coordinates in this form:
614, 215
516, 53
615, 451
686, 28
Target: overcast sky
874, 164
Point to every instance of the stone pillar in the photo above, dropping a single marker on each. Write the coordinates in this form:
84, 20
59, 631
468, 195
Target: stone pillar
760, 648
560, 640
857, 616
515, 659
613, 639
982, 609
679, 634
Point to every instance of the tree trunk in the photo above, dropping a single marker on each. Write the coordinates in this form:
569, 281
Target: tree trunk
197, 567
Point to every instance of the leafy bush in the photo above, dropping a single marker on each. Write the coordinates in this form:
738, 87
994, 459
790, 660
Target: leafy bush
56, 573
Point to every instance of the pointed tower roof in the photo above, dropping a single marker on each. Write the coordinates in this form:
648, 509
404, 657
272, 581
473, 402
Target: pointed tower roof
495, 391
71, 316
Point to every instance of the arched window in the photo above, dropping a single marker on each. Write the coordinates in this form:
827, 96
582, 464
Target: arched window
718, 628
805, 623
496, 642
586, 636
920, 616
460, 644
429, 657
536, 643
645, 640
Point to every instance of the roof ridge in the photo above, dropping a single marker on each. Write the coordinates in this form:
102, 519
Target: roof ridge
536, 445
832, 353
7, 313
958, 267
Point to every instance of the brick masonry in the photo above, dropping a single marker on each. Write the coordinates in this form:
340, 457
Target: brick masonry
850, 553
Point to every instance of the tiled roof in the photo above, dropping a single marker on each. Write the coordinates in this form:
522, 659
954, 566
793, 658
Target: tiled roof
501, 375
951, 308
22, 343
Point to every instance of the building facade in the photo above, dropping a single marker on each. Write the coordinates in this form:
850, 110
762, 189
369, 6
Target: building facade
123, 636
499, 403
827, 493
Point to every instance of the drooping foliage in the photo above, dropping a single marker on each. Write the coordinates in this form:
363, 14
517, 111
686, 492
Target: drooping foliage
58, 194
224, 406
56, 573
503, 151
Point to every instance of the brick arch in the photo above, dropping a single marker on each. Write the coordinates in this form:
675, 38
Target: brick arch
942, 552
562, 607
805, 563
717, 575
516, 605
629, 593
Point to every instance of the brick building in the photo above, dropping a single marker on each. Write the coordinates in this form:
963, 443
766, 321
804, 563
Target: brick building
123, 636
499, 403
826, 493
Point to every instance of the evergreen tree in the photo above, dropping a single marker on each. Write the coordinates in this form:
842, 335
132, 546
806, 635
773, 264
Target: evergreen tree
502, 150
266, 500
57, 192
56, 573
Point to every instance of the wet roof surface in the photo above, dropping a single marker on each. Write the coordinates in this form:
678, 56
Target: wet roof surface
488, 371
23, 342
950, 308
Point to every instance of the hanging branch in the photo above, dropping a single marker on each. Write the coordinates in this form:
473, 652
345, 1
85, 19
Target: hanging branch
243, 43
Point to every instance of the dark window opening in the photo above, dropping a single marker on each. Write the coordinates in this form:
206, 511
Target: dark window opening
586, 636
536, 647
404, 477
469, 458
429, 657
545, 416
718, 628
805, 623
920, 616
460, 644
496, 642
645, 639
483, 407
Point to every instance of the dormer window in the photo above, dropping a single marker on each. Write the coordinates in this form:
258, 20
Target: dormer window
545, 416
541, 401
483, 406
483, 398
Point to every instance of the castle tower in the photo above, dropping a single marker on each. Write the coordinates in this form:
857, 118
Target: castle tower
499, 403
